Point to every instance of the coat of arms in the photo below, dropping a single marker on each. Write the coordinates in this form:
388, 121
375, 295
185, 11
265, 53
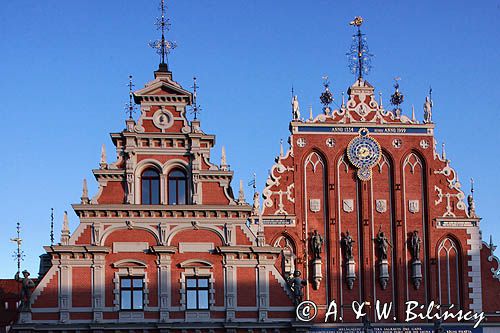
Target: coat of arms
413, 206
348, 205
381, 205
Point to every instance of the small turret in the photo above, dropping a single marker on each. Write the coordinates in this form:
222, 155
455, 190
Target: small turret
65, 230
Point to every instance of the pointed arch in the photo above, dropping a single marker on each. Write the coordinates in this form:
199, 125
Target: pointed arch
449, 282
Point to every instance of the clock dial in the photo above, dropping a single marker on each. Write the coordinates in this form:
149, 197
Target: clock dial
364, 152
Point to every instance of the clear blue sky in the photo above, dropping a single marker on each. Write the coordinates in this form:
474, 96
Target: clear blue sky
64, 66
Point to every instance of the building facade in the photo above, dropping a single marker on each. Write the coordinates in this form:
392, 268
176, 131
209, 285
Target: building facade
360, 208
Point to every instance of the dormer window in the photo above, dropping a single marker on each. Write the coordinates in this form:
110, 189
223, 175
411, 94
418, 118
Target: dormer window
150, 185
177, 187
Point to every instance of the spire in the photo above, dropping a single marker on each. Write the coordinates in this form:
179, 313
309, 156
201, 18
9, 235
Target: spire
470, 200
223, 160
241, 194
65, 230
311, 113
103, 164
413, 113
52, 226
130, 107
163, 47
326, 96
359, 55
343, 101
19, 253
443, 152
380, 104
281, 148
85, 193
195, 108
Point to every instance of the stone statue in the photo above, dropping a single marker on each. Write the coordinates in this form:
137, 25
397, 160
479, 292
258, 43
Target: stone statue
316, 244
347, 243
382, 245
296, 284
471, 206
295, 108
427, 110
415, 245
27, 285
256, 204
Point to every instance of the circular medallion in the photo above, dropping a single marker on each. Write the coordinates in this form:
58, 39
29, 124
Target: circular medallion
330, 142
301, 142
163, 119
364, 152
424, 144
396, 143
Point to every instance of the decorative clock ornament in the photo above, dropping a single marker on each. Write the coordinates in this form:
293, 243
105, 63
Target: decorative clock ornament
364, 152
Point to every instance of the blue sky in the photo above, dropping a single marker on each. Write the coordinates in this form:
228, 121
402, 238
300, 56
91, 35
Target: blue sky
64, 67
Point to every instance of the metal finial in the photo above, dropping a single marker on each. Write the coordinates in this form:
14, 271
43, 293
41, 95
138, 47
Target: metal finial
52, 226
18, 254
397, 97
281, 148
163, 46
195, 108
253, 182
130, 107
326, 96
472, 187
359, 55
443, 152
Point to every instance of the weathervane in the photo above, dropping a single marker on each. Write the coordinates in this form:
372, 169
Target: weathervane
195, 108
397, 97
326, 96
359, 55
18, 254
162, 46
130, 107
52, 226
253, 182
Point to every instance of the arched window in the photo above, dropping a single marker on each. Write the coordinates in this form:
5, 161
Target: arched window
177, 187
150, 185
449, 272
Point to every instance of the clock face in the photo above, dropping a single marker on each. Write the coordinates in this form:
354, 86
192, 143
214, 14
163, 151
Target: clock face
364, 152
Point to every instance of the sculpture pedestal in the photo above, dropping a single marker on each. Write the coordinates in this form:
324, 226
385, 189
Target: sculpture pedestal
317, 275
384, 273
351, 272
416, 273
24, 317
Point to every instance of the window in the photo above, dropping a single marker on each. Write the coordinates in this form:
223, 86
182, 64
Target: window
177, 189
131, 293
197, 293
150, 183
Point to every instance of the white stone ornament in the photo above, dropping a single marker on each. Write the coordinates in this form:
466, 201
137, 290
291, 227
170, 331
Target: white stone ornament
301, 142
413, 206
315, 205
330, 142
396, 143
348, 205
381, 205
163, 119
424, 144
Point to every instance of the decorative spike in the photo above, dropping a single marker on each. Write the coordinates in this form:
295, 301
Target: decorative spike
163, 47
85, 193
311, 113
413, 114
492, 246
343, 101
443, 152
19, 253
65, 230
381, 105
281, 148
223, 160
359, 56
195, 108
103, 164
52, 226
241, 194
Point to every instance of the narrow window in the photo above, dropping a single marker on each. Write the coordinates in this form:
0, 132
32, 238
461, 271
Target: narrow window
197, 293
150, 180
177, 187
131, 293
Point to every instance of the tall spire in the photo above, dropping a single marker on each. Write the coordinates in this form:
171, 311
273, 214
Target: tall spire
223, 160
19, 253
52, 226
163, 46
195, 108
241, 194
359, 55
85, 193
130, 107
65, 230
103, 163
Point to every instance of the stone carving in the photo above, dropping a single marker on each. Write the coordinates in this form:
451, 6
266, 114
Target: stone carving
256, 204
314, 205
129, 224
295, 108
26, 285
347, 243
330, 142
316, 244
424, 144
296, 283
103, 164
348, 205
382, 245
301, 142
428, 110
471, 209
413, 206
381, 205
415, 245
396, 143
416, 265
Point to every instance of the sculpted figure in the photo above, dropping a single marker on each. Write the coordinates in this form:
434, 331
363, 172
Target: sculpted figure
295, 108
415, 245
256, 204
471, 206
427, 110
27, 285
296, 284
316, 244
347, 243
382, 245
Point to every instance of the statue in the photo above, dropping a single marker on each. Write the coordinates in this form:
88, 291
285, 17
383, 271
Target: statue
296, 284
428, 110
256, 204
347, 243
382, 244
415, 245
471, 206
295, 108
316, 244
27, 285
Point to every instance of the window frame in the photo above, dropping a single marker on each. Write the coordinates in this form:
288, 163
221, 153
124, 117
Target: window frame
131, 289
197, 289
149, 180
177, 180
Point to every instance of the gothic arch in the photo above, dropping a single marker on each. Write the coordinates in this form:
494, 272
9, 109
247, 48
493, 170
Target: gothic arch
448, 253
315, 157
